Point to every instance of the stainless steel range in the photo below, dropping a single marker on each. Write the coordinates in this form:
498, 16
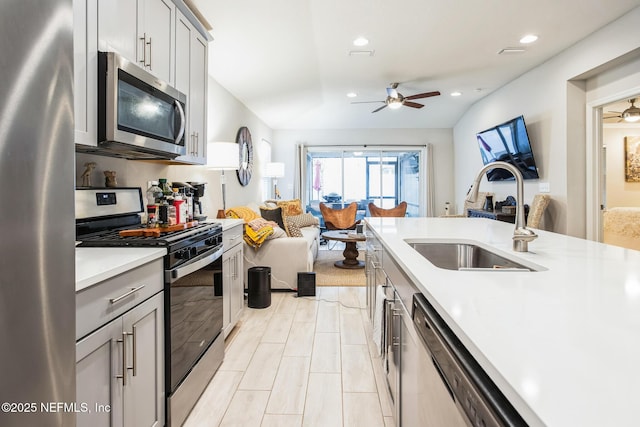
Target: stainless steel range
194, 344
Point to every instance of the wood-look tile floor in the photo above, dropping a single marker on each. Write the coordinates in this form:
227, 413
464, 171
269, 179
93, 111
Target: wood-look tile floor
304, 361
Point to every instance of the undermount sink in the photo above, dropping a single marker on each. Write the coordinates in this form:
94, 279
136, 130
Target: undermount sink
467, 257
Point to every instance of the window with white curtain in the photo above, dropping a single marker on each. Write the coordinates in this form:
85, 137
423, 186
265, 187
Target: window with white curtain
384, 176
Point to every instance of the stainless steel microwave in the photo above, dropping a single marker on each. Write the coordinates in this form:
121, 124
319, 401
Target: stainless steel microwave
139, 115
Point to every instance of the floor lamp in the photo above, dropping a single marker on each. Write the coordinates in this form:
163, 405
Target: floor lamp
275, 170
223, 156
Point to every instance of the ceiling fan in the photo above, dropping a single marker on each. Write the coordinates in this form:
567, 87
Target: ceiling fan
395, 99
630, 115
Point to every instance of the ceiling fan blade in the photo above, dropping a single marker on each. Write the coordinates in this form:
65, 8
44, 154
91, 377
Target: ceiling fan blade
366, 102
392, 92
378, 109
423, 95
412, 104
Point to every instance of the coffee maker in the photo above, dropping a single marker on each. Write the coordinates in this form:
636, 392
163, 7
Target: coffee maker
198, 192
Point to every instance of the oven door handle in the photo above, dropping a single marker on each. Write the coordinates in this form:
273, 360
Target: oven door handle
196, 264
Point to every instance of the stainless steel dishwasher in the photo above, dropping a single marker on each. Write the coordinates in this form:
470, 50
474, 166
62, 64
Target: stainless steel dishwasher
476, 397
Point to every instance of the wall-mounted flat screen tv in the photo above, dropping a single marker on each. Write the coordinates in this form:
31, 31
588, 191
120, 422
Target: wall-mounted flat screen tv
508, 142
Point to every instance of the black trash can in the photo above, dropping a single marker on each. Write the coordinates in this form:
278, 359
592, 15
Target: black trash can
259, 287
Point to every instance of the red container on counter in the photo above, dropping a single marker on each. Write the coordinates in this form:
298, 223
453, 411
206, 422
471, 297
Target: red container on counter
181, 210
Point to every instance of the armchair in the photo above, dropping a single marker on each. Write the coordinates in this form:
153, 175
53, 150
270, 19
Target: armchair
340, 219
399, 210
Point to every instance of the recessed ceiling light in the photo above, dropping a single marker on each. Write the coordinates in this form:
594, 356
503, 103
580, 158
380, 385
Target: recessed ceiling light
360, 41
529, 38
456, 93
352, 95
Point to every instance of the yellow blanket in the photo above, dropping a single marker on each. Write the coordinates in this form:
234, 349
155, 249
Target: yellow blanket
242, 212
255, 239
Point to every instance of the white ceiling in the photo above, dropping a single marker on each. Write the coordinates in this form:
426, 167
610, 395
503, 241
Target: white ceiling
288, 62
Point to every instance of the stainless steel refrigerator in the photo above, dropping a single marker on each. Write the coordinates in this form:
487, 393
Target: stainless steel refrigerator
37, 267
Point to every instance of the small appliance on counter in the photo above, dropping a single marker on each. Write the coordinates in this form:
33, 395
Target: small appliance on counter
197, 204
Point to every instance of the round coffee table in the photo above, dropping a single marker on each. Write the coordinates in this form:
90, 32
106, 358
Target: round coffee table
350, 252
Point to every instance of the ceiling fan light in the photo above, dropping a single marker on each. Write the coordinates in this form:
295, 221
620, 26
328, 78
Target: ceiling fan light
631, 114
394, 105
631, 117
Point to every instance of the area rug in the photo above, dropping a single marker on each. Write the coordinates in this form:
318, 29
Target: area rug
329, 275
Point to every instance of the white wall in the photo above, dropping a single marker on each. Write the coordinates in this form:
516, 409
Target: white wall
552, 99
226, 115
285, 141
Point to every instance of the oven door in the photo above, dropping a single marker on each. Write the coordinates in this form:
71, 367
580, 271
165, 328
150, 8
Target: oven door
139, 112
193, 314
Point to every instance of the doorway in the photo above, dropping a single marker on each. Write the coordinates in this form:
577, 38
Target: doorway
610, 192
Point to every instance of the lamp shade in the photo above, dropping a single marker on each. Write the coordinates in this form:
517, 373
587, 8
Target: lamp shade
223, 156
274, 170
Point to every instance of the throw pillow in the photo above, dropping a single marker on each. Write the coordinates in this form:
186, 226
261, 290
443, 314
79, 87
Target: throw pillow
291, 207
292, 229
303, 220
274, 215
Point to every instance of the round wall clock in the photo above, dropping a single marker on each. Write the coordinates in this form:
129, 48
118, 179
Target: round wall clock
246, 155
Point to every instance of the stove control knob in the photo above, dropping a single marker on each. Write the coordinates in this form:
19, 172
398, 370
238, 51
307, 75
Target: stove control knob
193, 252
183, 254
211, 241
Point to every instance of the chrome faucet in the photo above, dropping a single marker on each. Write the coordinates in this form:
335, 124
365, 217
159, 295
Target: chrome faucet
521, 235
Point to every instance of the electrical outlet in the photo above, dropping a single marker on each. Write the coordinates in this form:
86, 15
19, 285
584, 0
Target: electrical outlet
543, 187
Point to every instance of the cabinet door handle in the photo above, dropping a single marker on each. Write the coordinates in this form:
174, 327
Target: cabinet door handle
124, 359
235, 266
126, 294
134, 351
149, 64
144, 49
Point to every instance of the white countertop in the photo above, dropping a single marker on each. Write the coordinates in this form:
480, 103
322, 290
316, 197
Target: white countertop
227, 223
93, 265
562, 344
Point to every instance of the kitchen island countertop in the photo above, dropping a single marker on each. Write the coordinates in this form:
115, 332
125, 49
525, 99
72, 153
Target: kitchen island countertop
94, 265
563, 344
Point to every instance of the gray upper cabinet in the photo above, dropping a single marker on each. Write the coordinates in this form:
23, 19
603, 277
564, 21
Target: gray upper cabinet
191, 79
142, 32
156, 36
85, 71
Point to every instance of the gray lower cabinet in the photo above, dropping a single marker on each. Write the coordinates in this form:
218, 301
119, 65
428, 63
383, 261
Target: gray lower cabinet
120, 369
419, 396
232, 277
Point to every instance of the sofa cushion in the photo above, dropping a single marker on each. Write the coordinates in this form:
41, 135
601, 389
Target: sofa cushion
310, 234
274, 215
277, 233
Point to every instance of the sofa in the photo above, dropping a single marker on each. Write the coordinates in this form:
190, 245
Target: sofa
286, 255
